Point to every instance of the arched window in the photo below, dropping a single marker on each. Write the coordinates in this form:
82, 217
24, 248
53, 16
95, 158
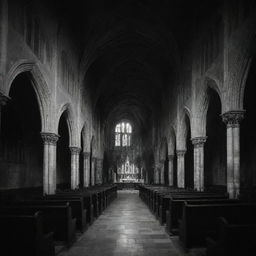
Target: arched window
123, 133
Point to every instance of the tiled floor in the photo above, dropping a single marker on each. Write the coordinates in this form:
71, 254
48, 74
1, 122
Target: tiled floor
126, 228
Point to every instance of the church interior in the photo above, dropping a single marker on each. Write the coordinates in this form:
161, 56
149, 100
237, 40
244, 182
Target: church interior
126, 127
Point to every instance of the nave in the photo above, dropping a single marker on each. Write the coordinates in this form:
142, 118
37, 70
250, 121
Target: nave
127, 228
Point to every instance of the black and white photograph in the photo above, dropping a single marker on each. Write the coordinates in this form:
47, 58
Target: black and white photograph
127, 128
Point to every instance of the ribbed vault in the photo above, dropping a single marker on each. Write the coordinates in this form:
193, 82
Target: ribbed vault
130, 55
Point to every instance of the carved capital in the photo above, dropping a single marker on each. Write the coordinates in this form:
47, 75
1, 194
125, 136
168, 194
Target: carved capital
181, 153
198, 141
170, 157
75, 150
49, 138
86, 154
233, 118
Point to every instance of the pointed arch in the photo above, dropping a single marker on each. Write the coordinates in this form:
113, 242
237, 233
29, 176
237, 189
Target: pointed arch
182, 127
69, 113
40, 86
198, 124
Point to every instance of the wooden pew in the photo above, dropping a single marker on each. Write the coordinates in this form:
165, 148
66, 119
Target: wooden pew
23, 235
174, 213
55, 218
233, 239
201, 221
86, 197
166, 201
76, 204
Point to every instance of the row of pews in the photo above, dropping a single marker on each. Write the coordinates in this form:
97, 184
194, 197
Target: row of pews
204, 219
34, 227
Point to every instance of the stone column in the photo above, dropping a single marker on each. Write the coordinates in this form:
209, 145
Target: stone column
93, 171
75, 152
181, 168
170, 171
114, 176
146, 178
49, 164
162, 172
156, 174
98, 170
86, 170
198, 143
232, 120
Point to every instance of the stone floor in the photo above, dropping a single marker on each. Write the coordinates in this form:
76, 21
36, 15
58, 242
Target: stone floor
127, 228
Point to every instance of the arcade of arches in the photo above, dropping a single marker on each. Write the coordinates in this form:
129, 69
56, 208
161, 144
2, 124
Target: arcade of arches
154, 92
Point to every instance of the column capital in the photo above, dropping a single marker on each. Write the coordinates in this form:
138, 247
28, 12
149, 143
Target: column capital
86, 154
170, 157
180, 153
198, 141
233, 118
75, 150
3, 99
161, 161
50, 138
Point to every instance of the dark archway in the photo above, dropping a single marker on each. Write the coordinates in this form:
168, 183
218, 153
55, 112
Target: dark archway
92, 148
166, 165
175, 171
149, 160
248, 138
215, 146
189, 158
21, 146
63, 154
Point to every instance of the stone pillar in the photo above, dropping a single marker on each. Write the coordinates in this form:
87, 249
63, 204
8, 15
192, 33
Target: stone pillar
162, 172
86, 170
75, 152
181, 168
98, 164
198, 143
156, 172
93, 171
170, 169
114, 176
49, 164
146, 178
232, 120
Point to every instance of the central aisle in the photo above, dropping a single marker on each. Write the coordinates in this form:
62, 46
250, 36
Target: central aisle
126, 227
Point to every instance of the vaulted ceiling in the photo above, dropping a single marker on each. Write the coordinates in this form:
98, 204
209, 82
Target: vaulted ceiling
131, 52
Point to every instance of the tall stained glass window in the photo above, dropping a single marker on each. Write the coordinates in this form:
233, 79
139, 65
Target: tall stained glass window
123, 132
